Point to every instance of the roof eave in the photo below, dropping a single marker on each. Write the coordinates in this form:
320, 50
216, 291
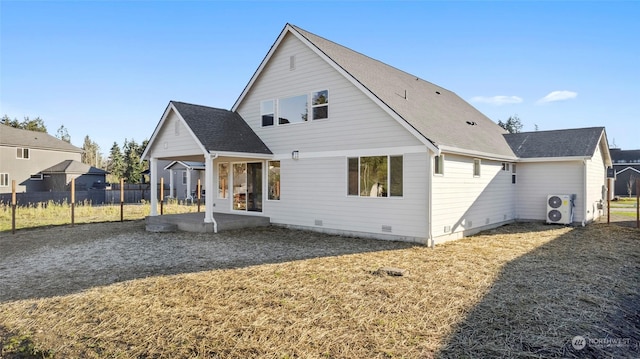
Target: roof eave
479, 154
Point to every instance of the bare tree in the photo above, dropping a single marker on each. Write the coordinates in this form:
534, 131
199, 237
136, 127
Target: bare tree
630, 183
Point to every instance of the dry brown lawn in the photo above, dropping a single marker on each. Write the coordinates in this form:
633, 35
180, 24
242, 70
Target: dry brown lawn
523, 290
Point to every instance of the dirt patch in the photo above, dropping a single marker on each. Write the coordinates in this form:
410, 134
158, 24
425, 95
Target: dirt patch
60, 260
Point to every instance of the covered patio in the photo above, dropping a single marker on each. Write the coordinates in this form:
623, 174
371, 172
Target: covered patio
193, 133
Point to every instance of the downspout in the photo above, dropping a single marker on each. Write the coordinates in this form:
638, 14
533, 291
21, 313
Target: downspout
208, 195
584, 193
430, 199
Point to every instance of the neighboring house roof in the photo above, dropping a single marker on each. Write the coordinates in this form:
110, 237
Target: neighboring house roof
624, 156
629, 168
74, 167
578, 142
440, 116
186, 164
16, 137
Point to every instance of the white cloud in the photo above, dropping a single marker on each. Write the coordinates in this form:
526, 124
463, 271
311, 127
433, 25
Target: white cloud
497, 100
558, 96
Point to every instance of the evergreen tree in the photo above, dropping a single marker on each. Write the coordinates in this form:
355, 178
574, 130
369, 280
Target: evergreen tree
63, 134
115, 164
133, 165
36, 124
90, 152
513, 124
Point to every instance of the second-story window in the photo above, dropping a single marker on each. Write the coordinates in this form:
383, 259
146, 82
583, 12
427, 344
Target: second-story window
22, 153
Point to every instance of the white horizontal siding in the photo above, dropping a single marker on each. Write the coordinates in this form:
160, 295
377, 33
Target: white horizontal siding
462, 202
538, 180
174, 139
354, 120
315, 189
596, 183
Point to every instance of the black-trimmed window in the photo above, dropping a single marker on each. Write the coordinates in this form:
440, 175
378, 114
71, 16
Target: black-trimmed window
375, 176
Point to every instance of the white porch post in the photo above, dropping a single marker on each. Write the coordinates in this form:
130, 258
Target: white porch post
208, 194
170, 183
153, 166
189, 196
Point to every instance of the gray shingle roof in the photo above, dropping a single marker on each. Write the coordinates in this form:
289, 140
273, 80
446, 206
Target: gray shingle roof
15, 137
438, 114
577, 142
220, 130
625, 156
74, 167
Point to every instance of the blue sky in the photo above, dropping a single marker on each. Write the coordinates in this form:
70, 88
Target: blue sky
108, 69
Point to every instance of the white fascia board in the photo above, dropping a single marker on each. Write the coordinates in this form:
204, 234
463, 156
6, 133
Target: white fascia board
478, 154
170, 165
170, 108
262, 156
604, 143
262, 65
367, 92
382, 151
150, 144
555, 159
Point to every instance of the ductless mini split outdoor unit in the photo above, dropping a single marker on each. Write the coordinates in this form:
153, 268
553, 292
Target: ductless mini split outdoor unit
560, 208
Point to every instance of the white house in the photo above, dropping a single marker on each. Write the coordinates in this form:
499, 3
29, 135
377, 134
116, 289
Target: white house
325, 138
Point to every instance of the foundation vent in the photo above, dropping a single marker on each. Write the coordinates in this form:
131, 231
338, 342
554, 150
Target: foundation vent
386, 229
318, 222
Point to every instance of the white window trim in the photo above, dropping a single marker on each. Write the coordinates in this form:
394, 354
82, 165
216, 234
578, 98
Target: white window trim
479, 167
36, 177
312, 106
2, 176
389, 196
435, 159
228, 173
23, 150
269, 177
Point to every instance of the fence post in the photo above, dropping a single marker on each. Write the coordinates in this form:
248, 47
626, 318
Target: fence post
199, 191
121, 199
609, 183
73, 200
13, 206
637, 202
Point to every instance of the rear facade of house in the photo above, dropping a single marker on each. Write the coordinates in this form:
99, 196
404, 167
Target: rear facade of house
356, 147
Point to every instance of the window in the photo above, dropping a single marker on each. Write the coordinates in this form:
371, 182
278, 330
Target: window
505, 166
184, 177
476, 167
267, 112
37, 177
375, 176
295, 109
223, 178
22, 153
320, 104
438, 166
4, 180
513, 173
292, 110
274, 180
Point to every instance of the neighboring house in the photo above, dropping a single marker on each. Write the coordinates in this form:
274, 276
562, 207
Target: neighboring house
626, 164
325, 138
24, 154
59, 176
182, 178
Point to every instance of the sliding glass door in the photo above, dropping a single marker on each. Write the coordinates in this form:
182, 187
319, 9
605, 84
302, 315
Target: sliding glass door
247, 186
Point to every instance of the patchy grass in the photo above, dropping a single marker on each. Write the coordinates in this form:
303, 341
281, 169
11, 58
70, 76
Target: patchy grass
523, 290
52, 214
